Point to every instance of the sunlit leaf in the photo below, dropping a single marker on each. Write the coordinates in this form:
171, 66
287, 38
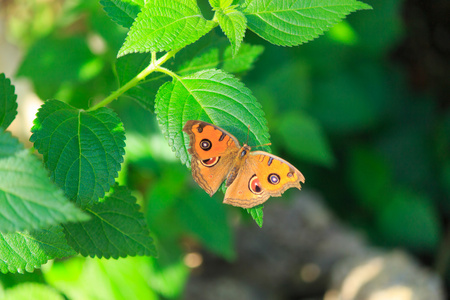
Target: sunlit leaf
294, 22
79, 278
233, 24
82, 150
32, 290
28, 250
166, 25
116, 229
123, 12
28, 199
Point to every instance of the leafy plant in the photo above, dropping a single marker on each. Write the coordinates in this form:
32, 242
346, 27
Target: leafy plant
82, 150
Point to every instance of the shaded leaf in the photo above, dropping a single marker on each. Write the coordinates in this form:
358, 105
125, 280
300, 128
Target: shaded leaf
116, 229
370, 177
212, 96
294, 22
26, 251
206, 220
28, 199
304, 137
166, 25
410, 220
53, 62
8, 104
233, 23
123, 12
82, 150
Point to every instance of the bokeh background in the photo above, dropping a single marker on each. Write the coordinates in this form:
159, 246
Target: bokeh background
362, 111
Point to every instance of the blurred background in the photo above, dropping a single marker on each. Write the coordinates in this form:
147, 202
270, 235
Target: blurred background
362, 111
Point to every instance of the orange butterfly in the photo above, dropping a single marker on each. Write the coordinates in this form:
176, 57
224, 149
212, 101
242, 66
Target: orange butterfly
251, 177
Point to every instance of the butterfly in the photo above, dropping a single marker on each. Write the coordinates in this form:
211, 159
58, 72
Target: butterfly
251, 177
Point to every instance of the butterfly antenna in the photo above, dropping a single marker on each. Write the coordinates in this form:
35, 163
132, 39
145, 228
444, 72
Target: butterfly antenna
248, 133
268, 144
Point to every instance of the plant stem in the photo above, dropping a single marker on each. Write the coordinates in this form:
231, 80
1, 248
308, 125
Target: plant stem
154, 65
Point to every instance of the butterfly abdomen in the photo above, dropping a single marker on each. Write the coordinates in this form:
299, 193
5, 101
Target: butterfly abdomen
238, 162
232, 176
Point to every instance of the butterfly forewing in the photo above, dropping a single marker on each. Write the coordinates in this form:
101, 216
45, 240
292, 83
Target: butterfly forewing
213, 151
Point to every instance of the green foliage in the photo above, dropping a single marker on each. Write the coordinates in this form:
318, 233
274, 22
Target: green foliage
212, 96
28, 200
82, 150
312, 105
163, 26
294, 22
8, 104
116, 229
28, 250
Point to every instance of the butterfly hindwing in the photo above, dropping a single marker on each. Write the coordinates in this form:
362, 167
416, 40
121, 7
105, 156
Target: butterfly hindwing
262, 176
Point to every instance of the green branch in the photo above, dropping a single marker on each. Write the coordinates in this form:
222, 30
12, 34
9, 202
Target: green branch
154, 65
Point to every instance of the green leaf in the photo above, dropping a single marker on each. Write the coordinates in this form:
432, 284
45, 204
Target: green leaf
304, 137
8, 104
257, 214
26, 251
294, 22
206, 219
123, 12
212, 96
410, 220
32, 290
233, 23
82, 150
166, 25
116, 229
28, 199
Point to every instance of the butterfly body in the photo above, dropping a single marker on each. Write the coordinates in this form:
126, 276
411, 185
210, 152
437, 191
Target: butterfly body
251, 177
